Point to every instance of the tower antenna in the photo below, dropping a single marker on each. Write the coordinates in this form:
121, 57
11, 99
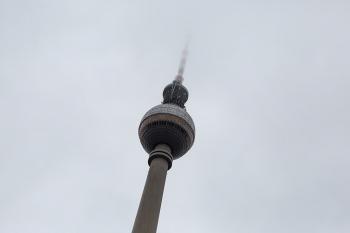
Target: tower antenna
179, 77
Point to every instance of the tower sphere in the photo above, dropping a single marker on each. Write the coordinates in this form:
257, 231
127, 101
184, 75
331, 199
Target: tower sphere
175, 93
167, 124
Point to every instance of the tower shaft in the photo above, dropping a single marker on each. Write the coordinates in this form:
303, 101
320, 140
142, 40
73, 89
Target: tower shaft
148, 212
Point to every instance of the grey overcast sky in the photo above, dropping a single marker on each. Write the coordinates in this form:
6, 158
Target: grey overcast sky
269, 93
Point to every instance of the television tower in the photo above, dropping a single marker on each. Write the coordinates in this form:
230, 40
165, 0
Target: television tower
166, 132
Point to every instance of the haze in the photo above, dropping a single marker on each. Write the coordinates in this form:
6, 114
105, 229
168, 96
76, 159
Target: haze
269, 94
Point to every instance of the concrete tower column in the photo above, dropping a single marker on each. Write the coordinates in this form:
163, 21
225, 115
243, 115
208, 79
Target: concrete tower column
148, 212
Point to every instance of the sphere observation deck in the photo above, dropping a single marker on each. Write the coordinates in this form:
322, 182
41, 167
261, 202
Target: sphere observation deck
169, 123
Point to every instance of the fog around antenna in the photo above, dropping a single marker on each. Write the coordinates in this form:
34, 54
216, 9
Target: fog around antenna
179, 77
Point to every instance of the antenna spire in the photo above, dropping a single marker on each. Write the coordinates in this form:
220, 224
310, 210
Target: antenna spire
179, 77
